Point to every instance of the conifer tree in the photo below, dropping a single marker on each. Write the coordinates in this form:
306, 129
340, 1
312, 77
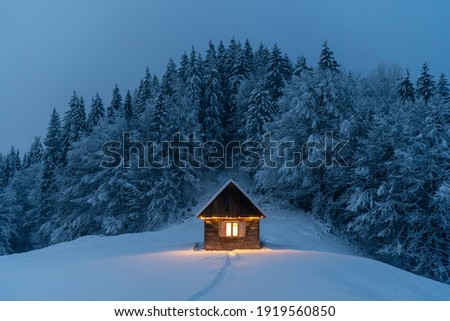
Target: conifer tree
327, 60
53, 140
9, 167
426, 86
77, 121
163, 202
145, 94
407, 89
18, 161
8, 215
48, 186
234, 71
249, 56
262, 55
116, 104
169, 79
66, 128
192, 93
288, 67
128, 106
36, 152
232, 55
220, 65
154, 87
159, 122
52, 159
301, 66
183, 70
97, 111
241, 68
443, 87
233, 67
260, 111
74, 122
212, 113
278, 72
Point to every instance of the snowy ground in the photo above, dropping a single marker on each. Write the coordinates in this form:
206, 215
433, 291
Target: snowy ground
300, 262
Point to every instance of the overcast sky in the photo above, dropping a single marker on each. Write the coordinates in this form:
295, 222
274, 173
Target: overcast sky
50, 48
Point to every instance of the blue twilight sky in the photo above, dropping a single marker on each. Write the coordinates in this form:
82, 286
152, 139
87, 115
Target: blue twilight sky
50, 48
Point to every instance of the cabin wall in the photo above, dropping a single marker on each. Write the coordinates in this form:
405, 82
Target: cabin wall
214, 242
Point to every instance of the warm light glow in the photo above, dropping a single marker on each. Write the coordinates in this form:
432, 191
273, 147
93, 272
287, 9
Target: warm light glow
231, 229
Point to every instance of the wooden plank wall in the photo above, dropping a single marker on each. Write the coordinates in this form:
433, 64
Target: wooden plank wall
214, 242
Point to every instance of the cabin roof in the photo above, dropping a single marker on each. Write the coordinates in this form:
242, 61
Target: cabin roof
230, 201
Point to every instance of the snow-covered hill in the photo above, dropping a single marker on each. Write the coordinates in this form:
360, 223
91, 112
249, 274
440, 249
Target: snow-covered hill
300, 262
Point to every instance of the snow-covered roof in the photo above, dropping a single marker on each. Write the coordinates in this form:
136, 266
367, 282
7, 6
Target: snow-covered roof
221, 190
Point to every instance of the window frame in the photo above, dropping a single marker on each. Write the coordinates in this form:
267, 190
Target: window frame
232, 229
235, 231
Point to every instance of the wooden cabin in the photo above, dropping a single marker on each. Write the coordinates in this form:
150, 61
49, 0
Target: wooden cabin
231, 220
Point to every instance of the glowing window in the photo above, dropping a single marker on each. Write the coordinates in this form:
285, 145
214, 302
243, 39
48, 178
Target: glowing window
232, 229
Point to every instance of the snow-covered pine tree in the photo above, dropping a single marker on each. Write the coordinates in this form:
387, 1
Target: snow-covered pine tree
426, 86
78, 124
443, 88
155, 86
35, 204
249, 57
24, 188
421, 173
53, 140
8, 213
260, 111
48, 188
301, 66
311, 105
234, 71
18, 161
96, 113
36, 152
288, 67
169, 79
370, 211
327, 60
437, 263
171, 95
191, 96
382, 86
115, 106
407, 89
262, 55
278, 73
163, 203
221, 56
9, 167
145, 94
2, 163
241, 67
212, 112
183, 69
160, 123
231, 57
66, 128
128, 106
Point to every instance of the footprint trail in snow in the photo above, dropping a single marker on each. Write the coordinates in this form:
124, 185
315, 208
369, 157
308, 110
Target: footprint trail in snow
231, 257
